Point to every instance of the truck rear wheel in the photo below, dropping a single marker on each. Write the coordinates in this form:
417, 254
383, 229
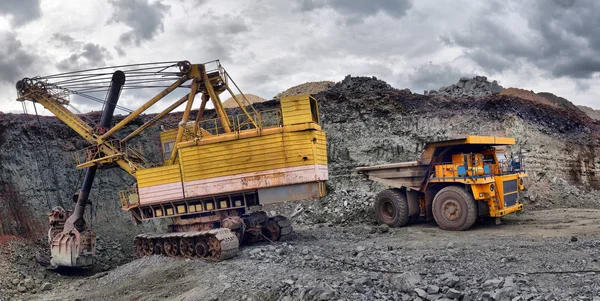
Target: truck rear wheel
391, 208
454, 209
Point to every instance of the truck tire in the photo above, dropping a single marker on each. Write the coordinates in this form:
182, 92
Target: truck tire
454, 209
391, 208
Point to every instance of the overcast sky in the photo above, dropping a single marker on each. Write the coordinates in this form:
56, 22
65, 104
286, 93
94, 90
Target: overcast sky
270, 45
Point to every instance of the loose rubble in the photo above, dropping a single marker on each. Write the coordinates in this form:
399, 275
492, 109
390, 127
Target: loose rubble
477, 86
349, 263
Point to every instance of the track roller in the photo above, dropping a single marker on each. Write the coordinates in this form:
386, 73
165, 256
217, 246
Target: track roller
211, 245
278, 228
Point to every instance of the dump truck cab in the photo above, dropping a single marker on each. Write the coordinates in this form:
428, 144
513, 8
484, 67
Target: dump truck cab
454, 182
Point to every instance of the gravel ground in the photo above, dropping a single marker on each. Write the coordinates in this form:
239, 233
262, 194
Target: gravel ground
538, 255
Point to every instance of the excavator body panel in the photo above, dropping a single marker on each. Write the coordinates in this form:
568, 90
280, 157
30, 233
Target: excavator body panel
284, 160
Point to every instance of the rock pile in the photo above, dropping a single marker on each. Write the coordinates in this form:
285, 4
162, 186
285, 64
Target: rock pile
477, 86
559, 101
306, 88
21, 276
368, 282
594, 114
528, 95
252, 99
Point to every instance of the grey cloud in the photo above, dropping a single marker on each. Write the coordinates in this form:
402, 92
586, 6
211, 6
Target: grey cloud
22, 11
309, 5
14, 58
394, 8
433, 76
559, 37
235, 27
355, 10
65, 40
144, 18
219, 35
582, 85
90, 55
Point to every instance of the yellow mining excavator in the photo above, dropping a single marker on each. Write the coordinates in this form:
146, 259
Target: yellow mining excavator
454, 181
212, 170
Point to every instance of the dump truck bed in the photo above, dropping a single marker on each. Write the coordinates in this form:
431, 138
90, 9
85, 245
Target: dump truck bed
406, 174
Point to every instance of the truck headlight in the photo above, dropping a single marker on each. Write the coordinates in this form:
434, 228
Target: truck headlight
491, 187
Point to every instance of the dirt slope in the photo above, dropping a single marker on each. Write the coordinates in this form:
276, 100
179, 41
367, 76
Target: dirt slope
594, 114
528, 95
252, 99
561, 102
306, 88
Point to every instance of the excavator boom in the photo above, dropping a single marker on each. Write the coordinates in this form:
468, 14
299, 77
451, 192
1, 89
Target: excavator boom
212, 170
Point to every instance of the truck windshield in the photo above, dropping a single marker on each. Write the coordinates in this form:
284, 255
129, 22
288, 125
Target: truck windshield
501, 157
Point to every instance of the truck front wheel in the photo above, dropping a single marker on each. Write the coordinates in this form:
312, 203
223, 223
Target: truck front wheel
391, 208
454, 209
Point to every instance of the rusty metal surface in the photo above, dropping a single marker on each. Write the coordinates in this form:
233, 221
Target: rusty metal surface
256, 180
215, 244
70, 248
73, 249
289, 193
406, 174
211, 245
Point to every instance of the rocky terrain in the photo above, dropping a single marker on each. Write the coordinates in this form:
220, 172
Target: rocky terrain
594, 114
231, 103
367, 122
534, 98
306, 88
556, 258
477, 86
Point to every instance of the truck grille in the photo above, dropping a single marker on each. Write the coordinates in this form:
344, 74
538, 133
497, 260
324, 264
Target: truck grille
509, 186
510, 195
510, 199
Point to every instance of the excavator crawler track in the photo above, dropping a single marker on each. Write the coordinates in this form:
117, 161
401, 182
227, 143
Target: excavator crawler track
279, 228
212, 245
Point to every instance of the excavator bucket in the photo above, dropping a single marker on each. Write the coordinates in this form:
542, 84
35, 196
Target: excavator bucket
73, 249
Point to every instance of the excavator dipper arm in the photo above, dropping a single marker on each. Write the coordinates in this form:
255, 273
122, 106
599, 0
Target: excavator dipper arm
72, 243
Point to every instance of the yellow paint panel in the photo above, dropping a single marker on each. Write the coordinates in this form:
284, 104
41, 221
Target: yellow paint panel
158, 175
171, 135
490, 140
296, 109
253, 154
168, 135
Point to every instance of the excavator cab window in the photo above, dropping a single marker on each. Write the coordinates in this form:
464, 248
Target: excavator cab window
167, 149
314, 109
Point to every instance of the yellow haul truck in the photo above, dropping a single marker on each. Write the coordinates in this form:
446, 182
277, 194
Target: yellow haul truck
455, 182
